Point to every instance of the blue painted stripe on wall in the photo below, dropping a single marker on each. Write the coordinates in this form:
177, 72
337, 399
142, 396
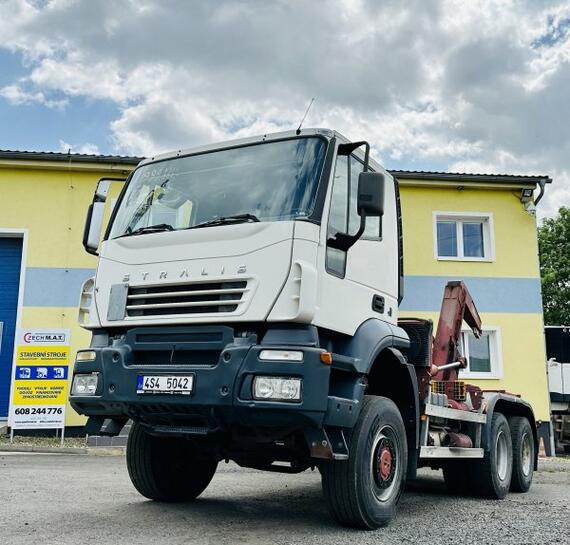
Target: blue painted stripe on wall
516, 295
53, 287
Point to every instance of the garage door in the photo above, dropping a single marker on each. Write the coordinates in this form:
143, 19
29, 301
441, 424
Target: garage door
10, 260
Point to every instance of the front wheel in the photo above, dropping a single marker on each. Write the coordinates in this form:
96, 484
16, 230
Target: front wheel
364, 490
167, 468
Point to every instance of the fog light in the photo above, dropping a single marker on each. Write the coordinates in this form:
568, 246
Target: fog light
84, 385
86, 355
277, 388
281, 355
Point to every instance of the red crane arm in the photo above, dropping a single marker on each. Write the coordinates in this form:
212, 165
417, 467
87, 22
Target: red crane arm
457, 305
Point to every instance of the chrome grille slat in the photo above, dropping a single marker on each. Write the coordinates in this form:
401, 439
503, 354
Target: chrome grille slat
183, 293
206, 297
187, 304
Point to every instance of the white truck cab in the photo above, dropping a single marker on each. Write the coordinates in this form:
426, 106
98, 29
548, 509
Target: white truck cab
299, 190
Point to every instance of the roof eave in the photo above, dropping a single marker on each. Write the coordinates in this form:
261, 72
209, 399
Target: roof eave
68, 157
495, 180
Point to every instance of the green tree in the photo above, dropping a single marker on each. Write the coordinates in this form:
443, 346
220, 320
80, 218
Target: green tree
554, 251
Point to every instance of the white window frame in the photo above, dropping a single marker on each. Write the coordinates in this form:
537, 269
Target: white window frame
459, 218
495, 352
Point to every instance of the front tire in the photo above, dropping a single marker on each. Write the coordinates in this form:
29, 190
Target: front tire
166, 468
523, 453
363, 491
491, 476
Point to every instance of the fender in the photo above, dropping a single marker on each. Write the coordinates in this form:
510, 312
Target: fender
416, 396
371, 337
359, 356
509, 405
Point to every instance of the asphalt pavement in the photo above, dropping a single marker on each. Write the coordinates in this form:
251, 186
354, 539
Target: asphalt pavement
69, 499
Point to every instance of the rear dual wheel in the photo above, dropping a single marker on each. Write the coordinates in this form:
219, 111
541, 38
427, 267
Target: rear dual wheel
524, 454
364, 490
491, 476
508, 464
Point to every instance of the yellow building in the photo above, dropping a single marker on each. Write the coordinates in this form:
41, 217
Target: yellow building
43, 203
478, 228
481, 229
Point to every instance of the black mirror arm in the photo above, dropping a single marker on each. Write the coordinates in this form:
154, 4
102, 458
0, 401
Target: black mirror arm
347, 149
342, 241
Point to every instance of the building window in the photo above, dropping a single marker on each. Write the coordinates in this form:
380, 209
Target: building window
483, 354
463, 237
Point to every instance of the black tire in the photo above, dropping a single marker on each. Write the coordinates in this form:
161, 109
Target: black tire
523, 453
491, 476
363, 491
457, 477
167, 469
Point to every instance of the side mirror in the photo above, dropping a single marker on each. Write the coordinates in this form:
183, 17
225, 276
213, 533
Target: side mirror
370, 200
95, 213
93, 225
102, 189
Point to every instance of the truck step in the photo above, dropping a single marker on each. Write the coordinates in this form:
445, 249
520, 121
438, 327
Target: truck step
181, 430
455, 414
451, 452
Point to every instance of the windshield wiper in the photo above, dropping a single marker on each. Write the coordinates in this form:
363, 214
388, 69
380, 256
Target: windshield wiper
236, 218
158, 228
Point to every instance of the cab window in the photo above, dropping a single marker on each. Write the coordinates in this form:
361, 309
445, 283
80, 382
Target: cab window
343, 216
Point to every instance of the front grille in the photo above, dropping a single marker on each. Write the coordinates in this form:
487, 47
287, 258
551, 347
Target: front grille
191, 298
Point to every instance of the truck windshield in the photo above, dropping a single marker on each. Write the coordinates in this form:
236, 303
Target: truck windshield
270, 181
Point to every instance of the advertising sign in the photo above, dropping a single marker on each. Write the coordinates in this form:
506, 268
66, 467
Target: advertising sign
39, 390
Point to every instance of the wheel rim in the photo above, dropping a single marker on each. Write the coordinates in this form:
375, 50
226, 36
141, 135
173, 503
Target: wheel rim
502, 455
526, 455
385, 463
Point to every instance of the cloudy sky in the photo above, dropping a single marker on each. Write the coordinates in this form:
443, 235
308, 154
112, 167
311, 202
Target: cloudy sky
469, 86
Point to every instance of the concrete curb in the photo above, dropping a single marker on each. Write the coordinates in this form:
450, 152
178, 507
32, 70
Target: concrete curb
97, 451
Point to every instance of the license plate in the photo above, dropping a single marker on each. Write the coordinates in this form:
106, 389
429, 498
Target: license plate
165, 384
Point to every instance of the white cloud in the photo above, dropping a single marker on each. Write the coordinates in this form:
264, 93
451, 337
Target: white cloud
480, 85
16, 95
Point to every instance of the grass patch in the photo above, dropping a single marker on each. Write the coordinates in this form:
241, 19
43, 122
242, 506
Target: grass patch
35, 441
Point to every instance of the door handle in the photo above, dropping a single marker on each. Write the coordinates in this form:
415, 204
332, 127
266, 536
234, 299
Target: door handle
378, 304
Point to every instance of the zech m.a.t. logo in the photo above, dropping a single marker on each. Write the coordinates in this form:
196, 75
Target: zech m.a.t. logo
38, 338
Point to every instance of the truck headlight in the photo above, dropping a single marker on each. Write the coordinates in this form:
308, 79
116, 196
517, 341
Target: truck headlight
85, 301
277, 388
281, 355
84, 385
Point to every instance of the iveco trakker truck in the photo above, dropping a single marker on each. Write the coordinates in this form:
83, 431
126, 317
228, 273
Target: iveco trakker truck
245, 308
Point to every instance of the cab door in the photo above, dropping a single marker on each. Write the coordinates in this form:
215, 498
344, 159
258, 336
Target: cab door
360, 283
